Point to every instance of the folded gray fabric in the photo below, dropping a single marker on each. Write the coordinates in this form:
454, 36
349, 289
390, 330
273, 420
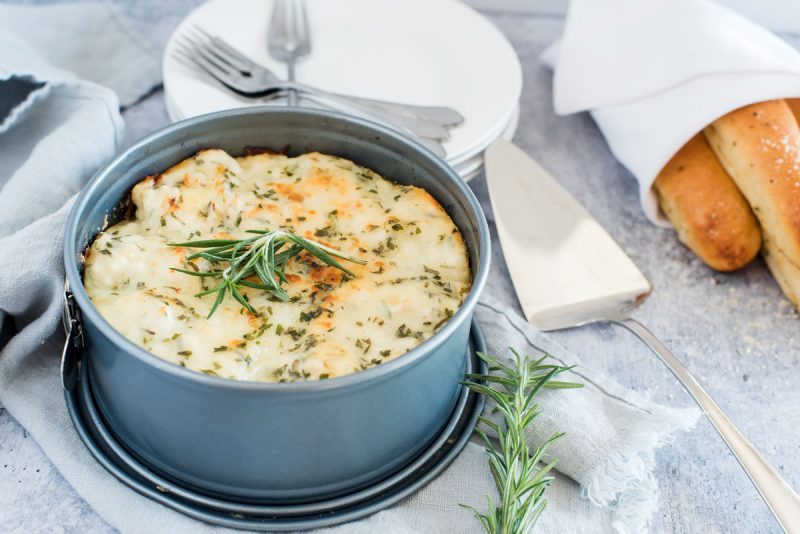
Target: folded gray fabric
56, 129
92, 41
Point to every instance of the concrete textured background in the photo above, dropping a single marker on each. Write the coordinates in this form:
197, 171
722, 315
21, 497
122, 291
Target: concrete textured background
735, 332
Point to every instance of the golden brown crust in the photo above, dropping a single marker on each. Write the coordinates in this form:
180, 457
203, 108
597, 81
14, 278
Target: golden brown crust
794, 105
786, 273
759, 146
708, 211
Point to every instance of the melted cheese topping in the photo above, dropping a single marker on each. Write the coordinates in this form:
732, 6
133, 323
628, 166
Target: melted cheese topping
416, 275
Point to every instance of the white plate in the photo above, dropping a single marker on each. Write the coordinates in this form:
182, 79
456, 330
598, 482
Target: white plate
427, 52
473, 166
468, 169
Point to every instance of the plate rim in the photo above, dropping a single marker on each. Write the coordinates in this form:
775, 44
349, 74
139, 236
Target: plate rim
477, 146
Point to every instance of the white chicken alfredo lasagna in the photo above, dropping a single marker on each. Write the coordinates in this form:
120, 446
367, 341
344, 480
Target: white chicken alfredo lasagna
415, 274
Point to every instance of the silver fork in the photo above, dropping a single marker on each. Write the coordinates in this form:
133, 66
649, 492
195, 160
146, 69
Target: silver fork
243, 76
444, 115
289, 41
289, 38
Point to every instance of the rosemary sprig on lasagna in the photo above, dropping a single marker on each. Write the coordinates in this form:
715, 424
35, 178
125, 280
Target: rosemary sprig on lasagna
263, 256
520, 475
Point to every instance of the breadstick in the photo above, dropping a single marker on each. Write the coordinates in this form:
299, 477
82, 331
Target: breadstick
759, 146
711, 216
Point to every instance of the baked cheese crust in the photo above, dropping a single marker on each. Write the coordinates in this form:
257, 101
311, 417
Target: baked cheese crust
416, 275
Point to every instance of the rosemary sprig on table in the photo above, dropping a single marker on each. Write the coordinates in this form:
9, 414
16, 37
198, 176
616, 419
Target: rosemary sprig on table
264, 255
520, 475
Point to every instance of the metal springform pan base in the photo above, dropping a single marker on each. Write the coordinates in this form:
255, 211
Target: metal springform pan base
218, 510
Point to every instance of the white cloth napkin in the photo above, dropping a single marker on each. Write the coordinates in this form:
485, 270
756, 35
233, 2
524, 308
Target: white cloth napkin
655, 72
59, 129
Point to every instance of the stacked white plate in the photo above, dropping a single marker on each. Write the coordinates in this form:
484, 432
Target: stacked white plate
425, 52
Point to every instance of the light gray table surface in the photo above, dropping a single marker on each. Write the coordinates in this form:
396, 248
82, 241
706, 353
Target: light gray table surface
735, 332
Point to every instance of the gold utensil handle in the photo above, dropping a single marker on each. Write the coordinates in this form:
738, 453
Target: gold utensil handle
782, 500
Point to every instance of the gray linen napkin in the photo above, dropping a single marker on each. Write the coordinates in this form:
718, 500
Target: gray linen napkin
56, 129
109, 51
604, 481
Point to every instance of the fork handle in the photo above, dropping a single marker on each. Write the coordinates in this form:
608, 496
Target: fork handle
781, 499
423, 128
443, 115
293, 98
408, 128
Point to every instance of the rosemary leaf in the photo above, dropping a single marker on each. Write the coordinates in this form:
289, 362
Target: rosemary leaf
519, 474
220, 295
197, 273
265, 255
205, 243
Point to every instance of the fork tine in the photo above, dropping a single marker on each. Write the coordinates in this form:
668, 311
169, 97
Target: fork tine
201, 50
210, 77
181, 57
205, 47
197, 38
225, 51
187, 45
188, 38
191, 42
302, 29
183, 62
201, 31
222, 65
184, 55
186, 59
184, 48
221, 75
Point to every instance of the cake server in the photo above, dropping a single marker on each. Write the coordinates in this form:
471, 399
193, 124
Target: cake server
567, 272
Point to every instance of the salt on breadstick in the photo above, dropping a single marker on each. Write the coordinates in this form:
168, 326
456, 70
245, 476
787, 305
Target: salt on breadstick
706, 208
759, 146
